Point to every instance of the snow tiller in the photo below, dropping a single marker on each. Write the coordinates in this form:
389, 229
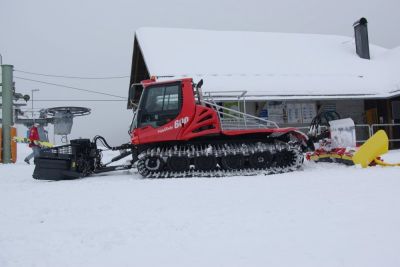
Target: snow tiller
175, 132
338, 144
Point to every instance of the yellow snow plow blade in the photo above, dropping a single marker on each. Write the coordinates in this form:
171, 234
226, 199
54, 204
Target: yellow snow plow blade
377, 145
385, 164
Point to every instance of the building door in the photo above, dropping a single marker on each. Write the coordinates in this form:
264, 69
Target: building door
371, 115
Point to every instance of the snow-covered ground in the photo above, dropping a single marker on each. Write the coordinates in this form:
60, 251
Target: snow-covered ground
325, 215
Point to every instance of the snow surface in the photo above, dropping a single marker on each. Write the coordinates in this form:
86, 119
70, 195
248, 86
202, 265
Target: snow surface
271, 65
324, 215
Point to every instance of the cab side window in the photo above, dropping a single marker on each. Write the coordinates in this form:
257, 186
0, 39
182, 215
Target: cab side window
161, 105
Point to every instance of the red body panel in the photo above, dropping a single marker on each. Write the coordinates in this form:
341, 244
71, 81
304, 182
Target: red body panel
262, 130
205, 122
193, 121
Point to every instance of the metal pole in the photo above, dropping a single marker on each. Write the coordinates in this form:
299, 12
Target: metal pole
7, 109
32, 91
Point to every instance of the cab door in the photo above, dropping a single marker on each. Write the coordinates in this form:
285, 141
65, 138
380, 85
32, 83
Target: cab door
159, 107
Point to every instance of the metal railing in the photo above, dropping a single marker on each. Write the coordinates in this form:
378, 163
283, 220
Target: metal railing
232, 119
363, 133
392, 130
234, 123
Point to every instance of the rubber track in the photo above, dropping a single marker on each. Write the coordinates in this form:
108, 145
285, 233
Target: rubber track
243, 149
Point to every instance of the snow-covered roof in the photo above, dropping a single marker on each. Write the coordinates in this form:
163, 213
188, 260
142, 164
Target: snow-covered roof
271, 65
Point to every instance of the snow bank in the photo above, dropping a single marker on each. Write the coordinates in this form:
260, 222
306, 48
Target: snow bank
325, 215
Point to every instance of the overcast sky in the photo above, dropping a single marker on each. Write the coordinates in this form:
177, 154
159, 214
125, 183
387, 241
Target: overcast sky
95, 38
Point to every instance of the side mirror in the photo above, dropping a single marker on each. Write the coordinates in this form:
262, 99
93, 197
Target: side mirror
199, 92
135, 91
199, 84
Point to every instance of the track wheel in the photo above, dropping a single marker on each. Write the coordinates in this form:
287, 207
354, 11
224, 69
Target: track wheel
205, 163
232, 162
260, 160
284, 158
154, 164
178, 164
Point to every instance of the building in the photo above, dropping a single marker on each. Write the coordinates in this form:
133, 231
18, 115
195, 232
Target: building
285, 77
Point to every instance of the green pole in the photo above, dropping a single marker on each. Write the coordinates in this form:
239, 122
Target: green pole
7, 110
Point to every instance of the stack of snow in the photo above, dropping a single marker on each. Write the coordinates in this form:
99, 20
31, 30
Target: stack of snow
271, 64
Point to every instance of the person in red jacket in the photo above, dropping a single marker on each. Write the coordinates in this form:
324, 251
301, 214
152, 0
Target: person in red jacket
33, 138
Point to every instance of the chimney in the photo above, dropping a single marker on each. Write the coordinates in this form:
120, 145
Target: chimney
361, 37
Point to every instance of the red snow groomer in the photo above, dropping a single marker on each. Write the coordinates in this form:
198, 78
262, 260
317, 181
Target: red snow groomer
177, 133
